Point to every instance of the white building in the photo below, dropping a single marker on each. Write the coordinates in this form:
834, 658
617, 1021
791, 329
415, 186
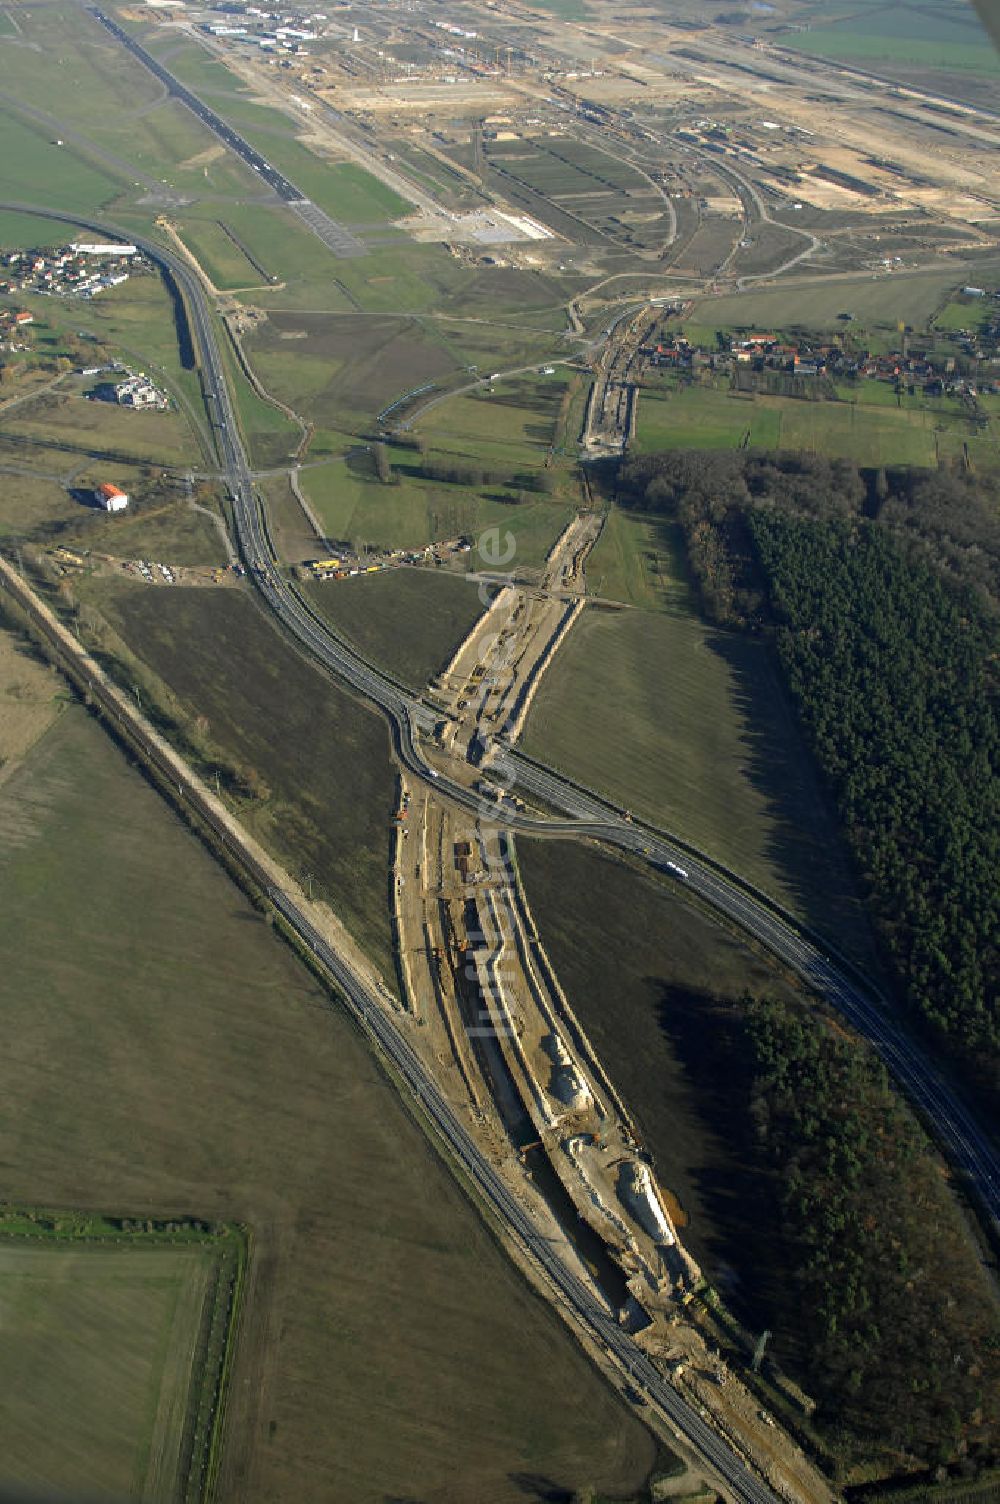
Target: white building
89, 248
112, 498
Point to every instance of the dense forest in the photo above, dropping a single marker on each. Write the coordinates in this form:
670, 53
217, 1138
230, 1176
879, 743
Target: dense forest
895, 1335
947, 519
882, 593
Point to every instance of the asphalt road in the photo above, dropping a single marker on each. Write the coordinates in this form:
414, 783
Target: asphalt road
643, 1375
965, 1145
368, 1008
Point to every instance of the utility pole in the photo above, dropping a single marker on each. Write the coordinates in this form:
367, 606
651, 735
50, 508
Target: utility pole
758, 1352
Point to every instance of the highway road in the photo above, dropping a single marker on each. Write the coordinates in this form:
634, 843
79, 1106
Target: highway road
588, 816
642, 1372
370, 1011
966, 1146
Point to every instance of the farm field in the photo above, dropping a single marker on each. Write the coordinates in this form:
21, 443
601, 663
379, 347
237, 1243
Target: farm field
669, 971
407, 621
320, 792
898, 35
32, 696
241, 1093
168, 531
414, 512
342, 369
104, 1339
222, 261
875, 302
66, 417
868, 432
32, 506
515, 422
712, 753
638, 560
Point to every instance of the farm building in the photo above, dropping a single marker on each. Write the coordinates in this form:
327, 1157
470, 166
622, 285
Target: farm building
112, 498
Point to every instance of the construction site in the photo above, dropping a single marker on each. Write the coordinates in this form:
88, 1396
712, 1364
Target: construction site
491, 1020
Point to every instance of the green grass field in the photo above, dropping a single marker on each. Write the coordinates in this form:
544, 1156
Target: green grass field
170, 532
703, 418
359, 198
34, 170
638, 560
165, 1053
964, 313
96, 1365
272, 234
515, 422
408, 621
150, 139
25, 230
867, 432
32, 505
711, 751
224, 263
415, 512
638, 1001
343, 370
875, 302
68, 417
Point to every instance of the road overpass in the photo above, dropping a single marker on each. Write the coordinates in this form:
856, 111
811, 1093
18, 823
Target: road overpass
966, 1146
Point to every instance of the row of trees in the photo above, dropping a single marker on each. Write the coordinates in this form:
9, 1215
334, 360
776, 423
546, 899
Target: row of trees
894, 1332
458, 472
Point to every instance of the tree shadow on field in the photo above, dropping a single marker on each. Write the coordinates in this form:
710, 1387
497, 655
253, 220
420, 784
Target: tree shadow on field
534, 1486
737, 1194
805, 842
